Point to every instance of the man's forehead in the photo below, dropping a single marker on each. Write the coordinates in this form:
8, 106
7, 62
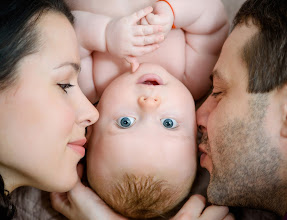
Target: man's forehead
231, 58
242, 33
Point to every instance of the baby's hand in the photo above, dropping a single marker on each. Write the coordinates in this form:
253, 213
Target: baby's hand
162, 15
125, 38
193, 210
82, 203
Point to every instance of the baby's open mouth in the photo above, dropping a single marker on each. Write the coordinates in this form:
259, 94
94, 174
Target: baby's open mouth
150, 79
147, 82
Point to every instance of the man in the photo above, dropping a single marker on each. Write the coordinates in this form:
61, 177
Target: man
244, 120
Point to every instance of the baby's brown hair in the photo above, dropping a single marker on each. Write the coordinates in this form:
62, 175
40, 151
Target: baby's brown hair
141, 196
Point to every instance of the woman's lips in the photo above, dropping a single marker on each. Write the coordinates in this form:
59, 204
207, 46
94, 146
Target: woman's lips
150, 79
78, 146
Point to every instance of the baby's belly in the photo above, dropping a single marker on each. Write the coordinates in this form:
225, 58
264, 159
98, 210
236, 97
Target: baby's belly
112, 8
170, 55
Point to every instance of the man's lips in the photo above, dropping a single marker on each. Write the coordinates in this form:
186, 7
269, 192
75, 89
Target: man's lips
78, 146
202, 148
205, 159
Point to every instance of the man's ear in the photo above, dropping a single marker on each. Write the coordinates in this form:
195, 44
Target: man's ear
283, 105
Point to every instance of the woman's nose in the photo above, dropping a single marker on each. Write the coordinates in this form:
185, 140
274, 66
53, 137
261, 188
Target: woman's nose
149, 103
88, 114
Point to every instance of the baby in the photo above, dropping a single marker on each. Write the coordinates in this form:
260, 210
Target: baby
142, 152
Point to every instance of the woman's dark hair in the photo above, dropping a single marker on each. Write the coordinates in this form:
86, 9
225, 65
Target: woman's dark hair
18, 38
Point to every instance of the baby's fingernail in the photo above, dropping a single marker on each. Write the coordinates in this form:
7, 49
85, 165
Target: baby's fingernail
160, 28
149, 8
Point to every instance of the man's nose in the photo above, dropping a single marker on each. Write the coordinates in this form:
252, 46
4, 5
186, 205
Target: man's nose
149, 103
202, 114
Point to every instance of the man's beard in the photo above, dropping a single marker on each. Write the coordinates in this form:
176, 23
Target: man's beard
245, 163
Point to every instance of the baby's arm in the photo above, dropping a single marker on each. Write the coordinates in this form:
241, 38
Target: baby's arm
206, 27
121, 37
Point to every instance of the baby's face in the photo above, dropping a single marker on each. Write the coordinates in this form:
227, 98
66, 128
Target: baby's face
146, 127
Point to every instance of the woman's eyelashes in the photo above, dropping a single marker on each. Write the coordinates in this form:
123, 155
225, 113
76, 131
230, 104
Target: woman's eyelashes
127, 122
65, 86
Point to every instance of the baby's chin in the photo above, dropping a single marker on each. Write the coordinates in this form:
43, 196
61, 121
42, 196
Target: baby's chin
141, 196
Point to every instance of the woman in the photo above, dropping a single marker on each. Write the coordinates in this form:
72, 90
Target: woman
43, 113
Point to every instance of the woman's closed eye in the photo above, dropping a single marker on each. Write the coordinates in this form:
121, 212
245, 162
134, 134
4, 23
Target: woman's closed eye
65, 86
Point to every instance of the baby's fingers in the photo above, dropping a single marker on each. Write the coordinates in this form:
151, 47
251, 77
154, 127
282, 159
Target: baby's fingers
192, 209
137, 16
229, 217
142, 50
215, 213
156, 19
147, 40
141, 30
144, 21
60, 203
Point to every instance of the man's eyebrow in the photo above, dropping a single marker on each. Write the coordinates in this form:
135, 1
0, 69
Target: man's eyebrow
217, 74
75, 66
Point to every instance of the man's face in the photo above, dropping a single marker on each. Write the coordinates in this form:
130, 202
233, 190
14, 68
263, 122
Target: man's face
241, 135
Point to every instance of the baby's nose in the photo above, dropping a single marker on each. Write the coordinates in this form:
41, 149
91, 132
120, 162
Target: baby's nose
149, 103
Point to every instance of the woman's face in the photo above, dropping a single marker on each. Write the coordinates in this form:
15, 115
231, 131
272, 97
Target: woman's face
42, 118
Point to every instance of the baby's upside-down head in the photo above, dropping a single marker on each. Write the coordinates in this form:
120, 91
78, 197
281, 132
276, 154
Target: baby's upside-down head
142, 152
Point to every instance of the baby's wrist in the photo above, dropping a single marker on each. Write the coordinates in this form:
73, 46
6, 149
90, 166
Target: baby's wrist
108, 40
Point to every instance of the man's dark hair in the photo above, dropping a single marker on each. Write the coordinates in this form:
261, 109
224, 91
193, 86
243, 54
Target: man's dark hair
265, 54
18, 38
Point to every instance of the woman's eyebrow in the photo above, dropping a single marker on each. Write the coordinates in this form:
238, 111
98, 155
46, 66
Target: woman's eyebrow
75, 66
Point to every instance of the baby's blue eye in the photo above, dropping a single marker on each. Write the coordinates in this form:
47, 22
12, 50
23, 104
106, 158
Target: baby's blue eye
169, 123
126, 122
